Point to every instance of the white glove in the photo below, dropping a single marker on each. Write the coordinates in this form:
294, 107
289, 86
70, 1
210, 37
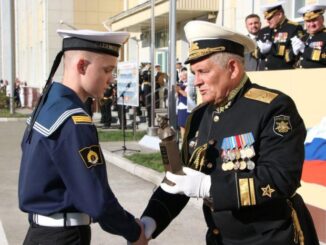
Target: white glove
297, 45
193, 184
264, 47
149, 226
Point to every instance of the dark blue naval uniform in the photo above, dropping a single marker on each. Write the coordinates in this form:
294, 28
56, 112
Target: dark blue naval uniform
280, 56
63, 169
314, 54
252, 147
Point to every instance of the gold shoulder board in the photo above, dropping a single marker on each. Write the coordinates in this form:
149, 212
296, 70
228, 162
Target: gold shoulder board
260, 95
81, 119
293, 23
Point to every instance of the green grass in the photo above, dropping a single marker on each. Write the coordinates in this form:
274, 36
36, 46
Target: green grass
150, 160
105, 136
6, 113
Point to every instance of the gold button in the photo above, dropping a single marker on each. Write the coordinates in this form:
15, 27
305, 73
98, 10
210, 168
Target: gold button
216, 231
216, 118
209, 165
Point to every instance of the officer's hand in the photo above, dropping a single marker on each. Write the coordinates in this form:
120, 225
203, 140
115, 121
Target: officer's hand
149, 226
193, 184
142, 239
264, 47
297, 45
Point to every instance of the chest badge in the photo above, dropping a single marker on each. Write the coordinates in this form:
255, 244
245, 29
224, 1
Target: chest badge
267, 191
282, 125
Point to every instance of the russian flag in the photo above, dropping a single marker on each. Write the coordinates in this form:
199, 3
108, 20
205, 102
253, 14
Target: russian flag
314, 168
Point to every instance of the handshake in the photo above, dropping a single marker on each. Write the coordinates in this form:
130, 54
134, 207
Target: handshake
192, 184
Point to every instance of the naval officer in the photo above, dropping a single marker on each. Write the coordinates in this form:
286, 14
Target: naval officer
242, 152
312, 46
274, 40
63, 183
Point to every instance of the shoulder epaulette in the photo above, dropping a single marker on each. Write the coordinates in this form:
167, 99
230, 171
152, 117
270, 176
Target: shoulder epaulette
293, 23
81, 119
260, 95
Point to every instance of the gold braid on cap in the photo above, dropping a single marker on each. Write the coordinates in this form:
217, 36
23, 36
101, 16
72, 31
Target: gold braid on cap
311, 15
195, 52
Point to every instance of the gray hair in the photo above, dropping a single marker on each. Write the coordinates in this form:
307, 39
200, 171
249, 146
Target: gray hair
223, 58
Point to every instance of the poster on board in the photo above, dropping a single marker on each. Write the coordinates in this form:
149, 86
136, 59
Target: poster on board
127, 84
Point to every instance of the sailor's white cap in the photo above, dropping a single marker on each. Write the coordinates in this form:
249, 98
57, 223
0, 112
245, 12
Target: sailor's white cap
95, 41
312, 11
206, 38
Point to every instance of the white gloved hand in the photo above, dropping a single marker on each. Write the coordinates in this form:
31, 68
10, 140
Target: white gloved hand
264, 47
193, 184
149, 226
297, 45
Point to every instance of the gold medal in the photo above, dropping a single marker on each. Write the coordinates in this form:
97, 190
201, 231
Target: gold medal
230, 165
237, 154
224, 167
243, 165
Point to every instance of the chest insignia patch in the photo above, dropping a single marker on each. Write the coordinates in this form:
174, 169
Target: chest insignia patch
91, 156
260, 95
282, 125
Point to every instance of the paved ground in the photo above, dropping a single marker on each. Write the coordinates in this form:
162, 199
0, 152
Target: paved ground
132, 191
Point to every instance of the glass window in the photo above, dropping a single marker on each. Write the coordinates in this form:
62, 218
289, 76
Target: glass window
297, 4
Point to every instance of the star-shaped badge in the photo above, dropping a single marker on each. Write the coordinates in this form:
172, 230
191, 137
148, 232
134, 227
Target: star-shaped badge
267, 191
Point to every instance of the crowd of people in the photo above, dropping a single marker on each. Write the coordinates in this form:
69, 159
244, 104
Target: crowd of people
283, 44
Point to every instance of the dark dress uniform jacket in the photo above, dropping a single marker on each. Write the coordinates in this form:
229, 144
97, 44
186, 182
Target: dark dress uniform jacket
63, 168
249, 206
314, 54
280, 55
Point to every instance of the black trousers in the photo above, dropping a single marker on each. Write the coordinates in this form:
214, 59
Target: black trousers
73, 235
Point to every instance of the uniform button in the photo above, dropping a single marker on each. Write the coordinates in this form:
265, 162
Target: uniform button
211, 142
209, 165
300, 66
266, 60
301, 58
266, 68
216, 231
216, 118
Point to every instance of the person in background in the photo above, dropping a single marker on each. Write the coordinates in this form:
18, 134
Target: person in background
312, 46
253, 26
242, 152
274, 40
106, 104
181, 90
63, 182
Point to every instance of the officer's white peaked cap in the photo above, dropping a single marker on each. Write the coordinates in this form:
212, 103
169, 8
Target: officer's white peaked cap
206, 38
312, 11
95, 41
270, 9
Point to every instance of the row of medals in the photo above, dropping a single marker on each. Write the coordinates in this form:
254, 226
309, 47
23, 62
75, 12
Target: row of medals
238, 159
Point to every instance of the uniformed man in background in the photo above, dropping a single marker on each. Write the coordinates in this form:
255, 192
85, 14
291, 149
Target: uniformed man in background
243, 152
63, 183
274, 40
106, 104
312, 46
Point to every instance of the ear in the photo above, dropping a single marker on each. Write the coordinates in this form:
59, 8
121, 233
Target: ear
233, 67
82, 65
